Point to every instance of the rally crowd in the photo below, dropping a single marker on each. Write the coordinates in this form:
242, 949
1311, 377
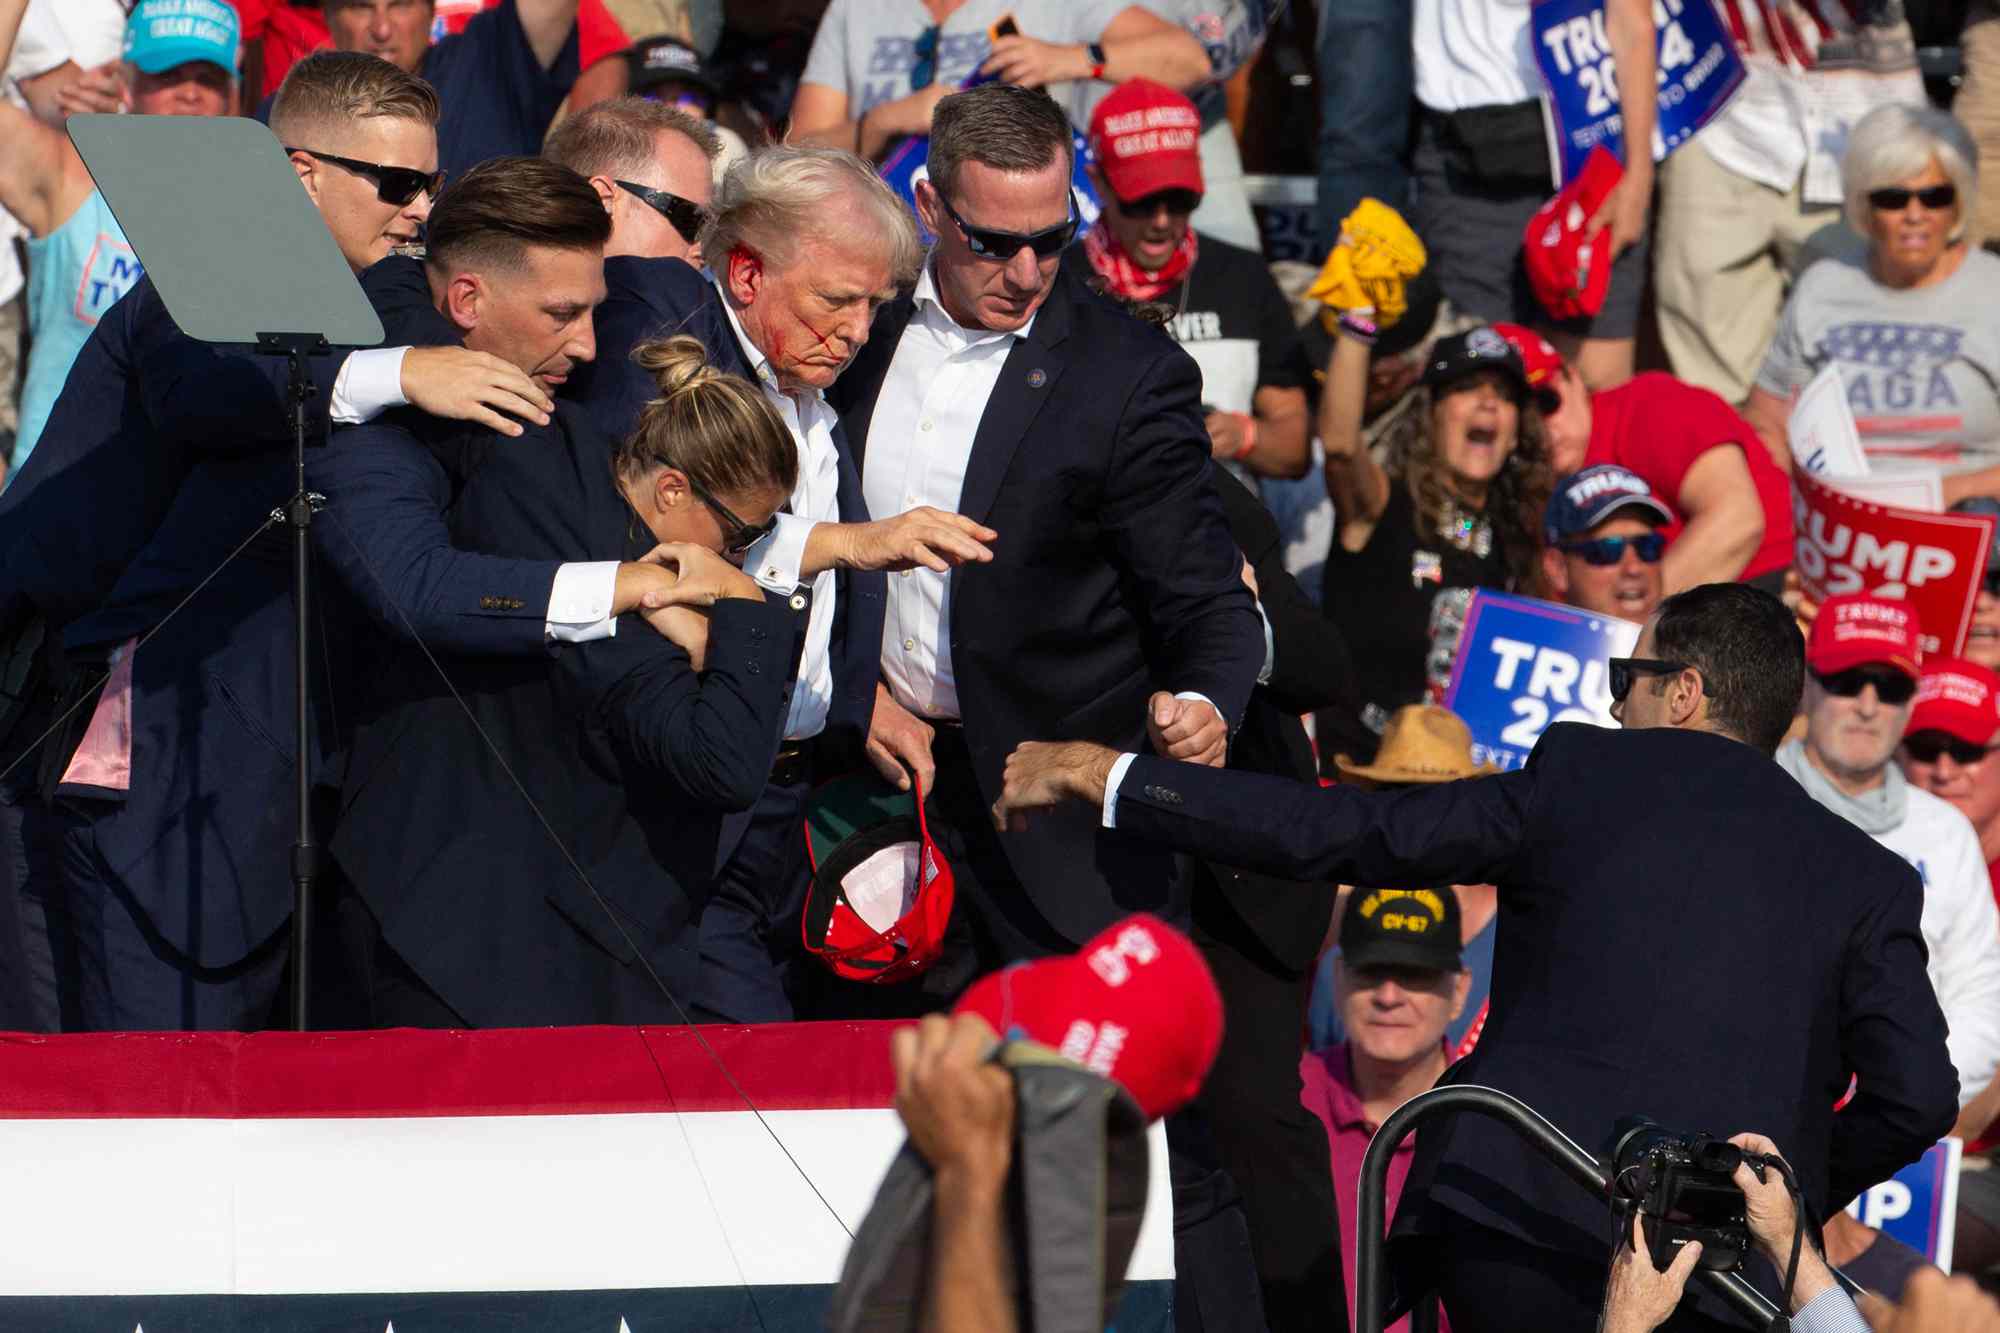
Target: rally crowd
774, 433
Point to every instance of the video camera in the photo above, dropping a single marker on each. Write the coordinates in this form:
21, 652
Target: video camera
1683, 1188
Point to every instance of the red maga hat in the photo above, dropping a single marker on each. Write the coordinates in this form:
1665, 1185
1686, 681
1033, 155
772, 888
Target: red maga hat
1959, 698
1569, 274
1859, 630
1145, 137
1136, 1004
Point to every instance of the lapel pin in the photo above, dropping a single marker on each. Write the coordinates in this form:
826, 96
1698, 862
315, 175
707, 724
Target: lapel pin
1037, 378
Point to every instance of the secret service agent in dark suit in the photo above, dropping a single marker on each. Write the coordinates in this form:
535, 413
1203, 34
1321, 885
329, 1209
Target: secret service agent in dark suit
1261, 936
1683, 933
1113, 579
628, 752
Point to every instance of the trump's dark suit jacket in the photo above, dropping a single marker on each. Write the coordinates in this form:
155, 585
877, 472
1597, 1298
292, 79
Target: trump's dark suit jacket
1114, 575
1683, 933
630, 755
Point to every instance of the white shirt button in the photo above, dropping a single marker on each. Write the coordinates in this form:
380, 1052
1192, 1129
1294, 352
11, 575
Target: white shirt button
926, 425
909, 645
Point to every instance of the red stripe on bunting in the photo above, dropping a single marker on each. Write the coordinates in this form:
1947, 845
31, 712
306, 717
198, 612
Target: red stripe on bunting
408, 1072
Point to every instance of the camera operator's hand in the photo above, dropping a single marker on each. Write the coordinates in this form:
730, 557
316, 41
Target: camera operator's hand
1772, 1220
1639, 1297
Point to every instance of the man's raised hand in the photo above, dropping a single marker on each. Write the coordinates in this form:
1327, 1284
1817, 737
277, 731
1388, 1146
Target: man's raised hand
1042, 774
464, 385
922, 538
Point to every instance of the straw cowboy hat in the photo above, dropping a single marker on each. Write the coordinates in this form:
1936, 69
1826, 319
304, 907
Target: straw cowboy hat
1422, 743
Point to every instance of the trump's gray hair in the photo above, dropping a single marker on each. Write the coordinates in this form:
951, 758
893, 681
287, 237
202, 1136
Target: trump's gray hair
1893, 143
778, 197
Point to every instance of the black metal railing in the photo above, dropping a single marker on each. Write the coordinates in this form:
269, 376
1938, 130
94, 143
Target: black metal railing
1553, 1144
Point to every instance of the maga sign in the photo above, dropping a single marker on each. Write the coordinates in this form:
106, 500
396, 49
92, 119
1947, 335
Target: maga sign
1935, 561
1698, 71
1523, 664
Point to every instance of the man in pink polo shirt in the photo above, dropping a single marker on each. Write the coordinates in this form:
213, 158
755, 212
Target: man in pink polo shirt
1398, 984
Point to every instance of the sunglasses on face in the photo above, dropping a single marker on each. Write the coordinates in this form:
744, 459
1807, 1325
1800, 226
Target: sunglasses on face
1625, 670
1177, 202
1896, 198
1927, 747
1891, 687
687, 216
737, 536
1602, 551
393, 185
1004, 245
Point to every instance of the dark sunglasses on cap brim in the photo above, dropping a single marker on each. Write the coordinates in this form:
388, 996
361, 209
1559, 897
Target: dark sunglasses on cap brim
393, 185
1927, 747
1891, 686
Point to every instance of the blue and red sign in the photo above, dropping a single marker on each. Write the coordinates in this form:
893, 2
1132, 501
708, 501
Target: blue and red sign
1917, 1204
1524, 663
1699, 71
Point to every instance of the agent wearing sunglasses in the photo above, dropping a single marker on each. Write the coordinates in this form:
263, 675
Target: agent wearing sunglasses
1005, 390
1925, 288
1226, 310
1602, 530
652, 165
1862, 675
1611, 853
1949, 744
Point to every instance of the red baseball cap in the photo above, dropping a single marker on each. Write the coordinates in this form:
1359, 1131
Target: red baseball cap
1145, 137
1859, 630
1959, 698
1569, 274
881, 893
1136, 1004
1539, 356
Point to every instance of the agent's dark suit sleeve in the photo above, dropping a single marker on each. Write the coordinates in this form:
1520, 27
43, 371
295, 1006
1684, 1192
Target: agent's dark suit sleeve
383, 533
1310, 664
1470, 832
711, 735
216, 401
1170, 540
1892, 1035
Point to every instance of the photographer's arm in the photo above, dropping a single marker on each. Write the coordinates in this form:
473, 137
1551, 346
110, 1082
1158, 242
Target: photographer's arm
1774, 1223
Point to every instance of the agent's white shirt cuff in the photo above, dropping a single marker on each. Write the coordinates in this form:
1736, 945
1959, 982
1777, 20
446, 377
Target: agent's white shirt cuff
580, 601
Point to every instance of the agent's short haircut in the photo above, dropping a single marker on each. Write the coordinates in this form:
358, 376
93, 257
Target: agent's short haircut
999, 125
616, 138
332, 88
491, 216
777, 197
1749, 651
1893, 143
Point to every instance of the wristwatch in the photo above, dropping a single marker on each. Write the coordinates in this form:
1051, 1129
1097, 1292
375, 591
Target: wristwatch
1094, 52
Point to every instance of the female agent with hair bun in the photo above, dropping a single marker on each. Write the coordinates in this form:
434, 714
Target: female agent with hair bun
534, 867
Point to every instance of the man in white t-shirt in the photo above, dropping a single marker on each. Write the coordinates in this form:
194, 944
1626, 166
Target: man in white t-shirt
1861, 679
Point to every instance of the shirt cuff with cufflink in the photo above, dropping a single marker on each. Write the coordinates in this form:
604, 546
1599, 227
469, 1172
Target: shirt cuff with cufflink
774, 562
370, 382
580, 602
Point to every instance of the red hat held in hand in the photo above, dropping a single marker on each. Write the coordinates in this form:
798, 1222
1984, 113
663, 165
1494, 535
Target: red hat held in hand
1135, 1004
1569, 274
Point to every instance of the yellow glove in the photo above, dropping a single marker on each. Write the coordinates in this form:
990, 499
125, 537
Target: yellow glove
1376, 256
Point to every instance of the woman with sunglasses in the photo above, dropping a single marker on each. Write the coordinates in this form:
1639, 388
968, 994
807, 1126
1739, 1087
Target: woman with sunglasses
1910, 319
628, 750
1458, 506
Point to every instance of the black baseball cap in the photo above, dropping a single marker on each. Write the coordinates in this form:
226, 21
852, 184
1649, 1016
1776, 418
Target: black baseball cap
661, 60
1401, 928
1470, 352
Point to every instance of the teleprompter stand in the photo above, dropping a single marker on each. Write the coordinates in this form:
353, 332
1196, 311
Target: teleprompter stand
240, 257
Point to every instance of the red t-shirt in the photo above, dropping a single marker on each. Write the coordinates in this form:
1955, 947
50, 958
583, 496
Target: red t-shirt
291, 33
1657, 426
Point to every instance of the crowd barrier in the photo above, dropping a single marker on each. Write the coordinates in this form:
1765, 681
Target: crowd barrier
602, 1179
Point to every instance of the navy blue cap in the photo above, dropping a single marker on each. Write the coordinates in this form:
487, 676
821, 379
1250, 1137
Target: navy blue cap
1584, 499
